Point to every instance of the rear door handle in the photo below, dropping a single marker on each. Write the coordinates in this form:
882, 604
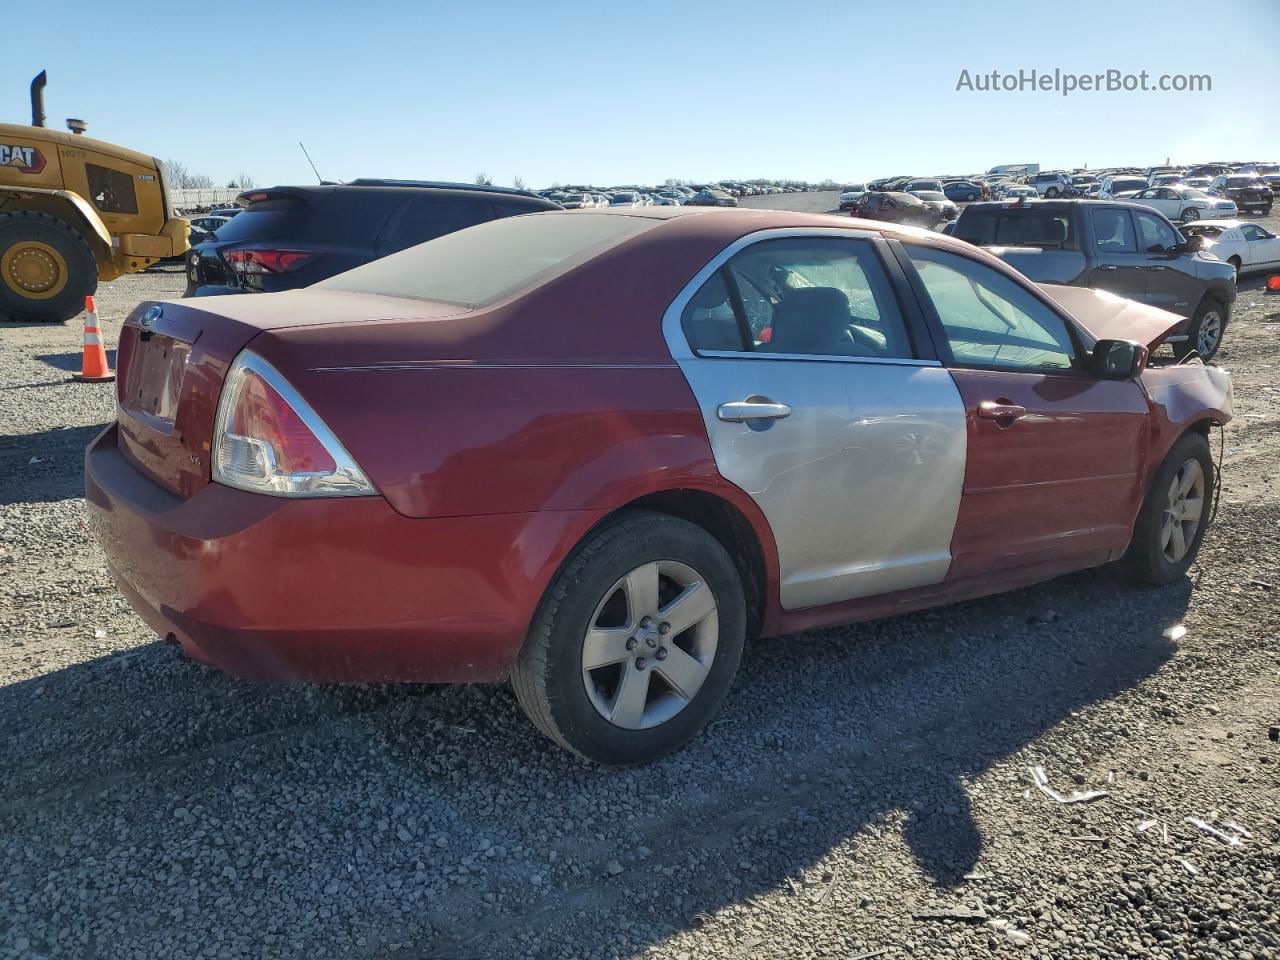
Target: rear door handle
742, 410
1157, 268
1108, 266
1001, 410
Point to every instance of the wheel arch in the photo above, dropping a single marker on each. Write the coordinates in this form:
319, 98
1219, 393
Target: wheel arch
1221, 293
732, 530
734, 525
66, 206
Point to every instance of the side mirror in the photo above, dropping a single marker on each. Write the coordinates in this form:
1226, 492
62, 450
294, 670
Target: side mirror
1118, 359
1193, 243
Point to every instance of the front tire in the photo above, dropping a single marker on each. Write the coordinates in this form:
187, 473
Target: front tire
1175, 514
1205, 332
1190, 215
636, 642
46, 268
1051, 193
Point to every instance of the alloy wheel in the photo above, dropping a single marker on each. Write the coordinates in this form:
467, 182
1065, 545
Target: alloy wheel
1209, 333
650, 644
1190, 214
1183, 510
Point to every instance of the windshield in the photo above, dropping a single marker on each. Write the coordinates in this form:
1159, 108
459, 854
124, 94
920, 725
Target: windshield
485, 263
1127, 184
1193, 194
1240, 181
930, 195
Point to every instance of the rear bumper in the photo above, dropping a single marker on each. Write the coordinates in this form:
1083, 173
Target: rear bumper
340, 590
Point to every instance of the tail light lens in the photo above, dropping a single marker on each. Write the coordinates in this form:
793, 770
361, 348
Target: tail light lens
267, 439
266, 261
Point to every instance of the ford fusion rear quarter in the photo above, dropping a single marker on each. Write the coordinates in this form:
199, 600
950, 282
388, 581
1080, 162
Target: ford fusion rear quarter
593, 451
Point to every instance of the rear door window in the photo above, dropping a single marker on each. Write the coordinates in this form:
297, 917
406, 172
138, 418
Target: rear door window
813, 296
1113, 230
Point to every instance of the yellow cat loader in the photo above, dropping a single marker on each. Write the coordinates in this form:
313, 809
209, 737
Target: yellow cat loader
74, 211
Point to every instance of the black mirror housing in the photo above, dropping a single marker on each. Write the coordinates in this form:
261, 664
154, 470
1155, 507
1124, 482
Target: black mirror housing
1118, 359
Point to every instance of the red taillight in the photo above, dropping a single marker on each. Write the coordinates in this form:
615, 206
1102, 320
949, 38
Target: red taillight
266, 261
268, 439
1273, 283
261, 412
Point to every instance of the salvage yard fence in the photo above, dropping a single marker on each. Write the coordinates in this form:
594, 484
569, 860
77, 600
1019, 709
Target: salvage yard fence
188, 197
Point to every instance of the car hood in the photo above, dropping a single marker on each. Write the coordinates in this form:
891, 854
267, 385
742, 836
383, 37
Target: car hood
1106, 316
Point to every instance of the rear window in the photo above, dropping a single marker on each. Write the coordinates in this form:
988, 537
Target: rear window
259, 224
486, 263
1017, 228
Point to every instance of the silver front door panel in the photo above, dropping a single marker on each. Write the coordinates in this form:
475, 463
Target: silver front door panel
860, 483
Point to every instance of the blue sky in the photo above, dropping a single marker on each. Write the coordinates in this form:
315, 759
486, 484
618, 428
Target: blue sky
589, 92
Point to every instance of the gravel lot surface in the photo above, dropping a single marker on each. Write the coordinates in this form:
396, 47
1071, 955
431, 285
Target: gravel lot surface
867, 791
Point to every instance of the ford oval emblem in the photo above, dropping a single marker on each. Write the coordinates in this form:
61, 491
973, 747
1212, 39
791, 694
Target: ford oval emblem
150, 316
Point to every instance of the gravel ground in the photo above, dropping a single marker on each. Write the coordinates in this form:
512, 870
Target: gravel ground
866, 793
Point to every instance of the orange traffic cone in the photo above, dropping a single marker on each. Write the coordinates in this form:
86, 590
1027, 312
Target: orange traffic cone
93, 369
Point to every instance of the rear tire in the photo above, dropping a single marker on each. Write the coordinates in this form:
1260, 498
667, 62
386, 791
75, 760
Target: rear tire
1159, 554
1205, 331
630, 708
1235, 262
46, 268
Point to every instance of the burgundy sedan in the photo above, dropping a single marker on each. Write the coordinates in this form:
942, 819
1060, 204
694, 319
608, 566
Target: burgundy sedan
591, 452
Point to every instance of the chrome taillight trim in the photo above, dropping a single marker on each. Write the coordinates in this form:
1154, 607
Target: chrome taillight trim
346, 480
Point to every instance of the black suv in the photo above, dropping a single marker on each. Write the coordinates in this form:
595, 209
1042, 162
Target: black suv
1247, 191
290, 237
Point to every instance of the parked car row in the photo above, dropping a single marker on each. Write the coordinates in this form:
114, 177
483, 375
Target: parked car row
572, 198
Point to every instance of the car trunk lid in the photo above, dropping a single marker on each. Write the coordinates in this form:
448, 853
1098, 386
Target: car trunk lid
172, 358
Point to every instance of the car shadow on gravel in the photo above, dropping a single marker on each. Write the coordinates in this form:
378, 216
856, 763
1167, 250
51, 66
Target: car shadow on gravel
830, 737
45, 466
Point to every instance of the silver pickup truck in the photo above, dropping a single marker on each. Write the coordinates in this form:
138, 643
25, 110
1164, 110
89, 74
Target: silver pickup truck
1125, 248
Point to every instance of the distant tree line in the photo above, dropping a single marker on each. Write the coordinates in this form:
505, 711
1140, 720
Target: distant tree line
182, 178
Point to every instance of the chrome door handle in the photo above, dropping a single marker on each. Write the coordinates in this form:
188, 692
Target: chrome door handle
1001, 410
1108, 266
1157, 268
742, 410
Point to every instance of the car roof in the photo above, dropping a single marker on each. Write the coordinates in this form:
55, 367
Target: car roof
732, 223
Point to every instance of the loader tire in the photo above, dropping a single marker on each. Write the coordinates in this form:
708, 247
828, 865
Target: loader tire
46, 268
